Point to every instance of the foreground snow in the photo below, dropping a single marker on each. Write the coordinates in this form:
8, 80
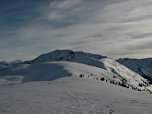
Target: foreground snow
72, 95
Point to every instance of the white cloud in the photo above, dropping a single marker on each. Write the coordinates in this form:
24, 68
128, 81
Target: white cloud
62, 10
117, 28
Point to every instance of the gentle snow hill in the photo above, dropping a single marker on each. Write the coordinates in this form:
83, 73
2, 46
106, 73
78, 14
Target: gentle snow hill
62, 63
72, 95
140, 66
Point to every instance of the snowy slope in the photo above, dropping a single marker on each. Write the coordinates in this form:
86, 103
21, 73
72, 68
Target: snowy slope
69, 55
68, 82
62, 63
123, 73
53, 70
119, 72
72, 95
66, 55
141, 66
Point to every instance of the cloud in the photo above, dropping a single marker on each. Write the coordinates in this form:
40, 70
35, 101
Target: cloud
117, 28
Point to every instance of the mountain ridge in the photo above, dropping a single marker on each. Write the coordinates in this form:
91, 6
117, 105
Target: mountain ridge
140, 66
62, 63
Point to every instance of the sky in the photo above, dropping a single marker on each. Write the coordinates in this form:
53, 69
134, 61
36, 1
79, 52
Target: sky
116, 28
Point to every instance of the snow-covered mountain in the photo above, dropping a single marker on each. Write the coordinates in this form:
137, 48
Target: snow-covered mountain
140, 66
62, 63
66, 55
69, 55
69, 82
